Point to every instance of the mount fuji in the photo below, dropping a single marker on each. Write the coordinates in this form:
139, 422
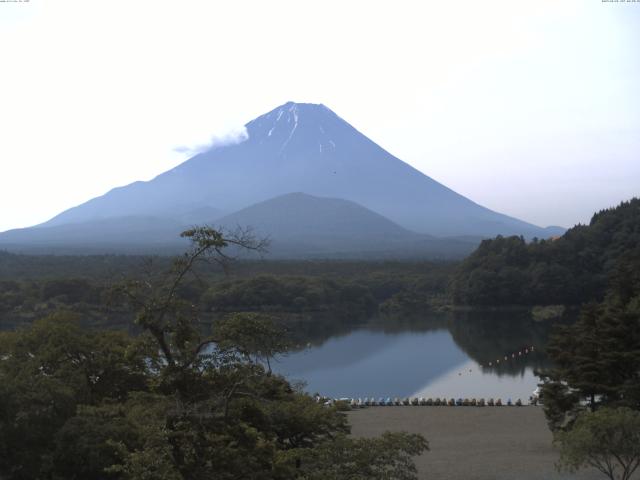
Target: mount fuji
296, 148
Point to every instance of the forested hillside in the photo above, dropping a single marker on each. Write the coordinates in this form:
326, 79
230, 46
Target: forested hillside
570, 270
32, 287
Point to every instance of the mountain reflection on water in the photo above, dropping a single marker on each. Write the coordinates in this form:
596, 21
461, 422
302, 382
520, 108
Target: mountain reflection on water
435, 355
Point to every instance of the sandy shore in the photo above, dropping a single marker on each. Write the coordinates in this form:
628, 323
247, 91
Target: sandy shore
469, 443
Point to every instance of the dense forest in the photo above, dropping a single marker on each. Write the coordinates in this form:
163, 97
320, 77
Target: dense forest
32, 287
597, 359
569, 270
173, 401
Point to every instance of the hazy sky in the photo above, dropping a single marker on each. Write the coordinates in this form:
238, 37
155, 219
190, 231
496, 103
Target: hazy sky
531, 108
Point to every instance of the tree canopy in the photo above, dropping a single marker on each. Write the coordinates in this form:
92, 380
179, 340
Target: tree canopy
607, 440
572, 269
174, 402
597, 358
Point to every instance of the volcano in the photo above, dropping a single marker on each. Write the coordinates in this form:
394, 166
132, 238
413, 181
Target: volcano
296, 148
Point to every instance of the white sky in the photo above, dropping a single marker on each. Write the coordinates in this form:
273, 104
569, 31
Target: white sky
531, 108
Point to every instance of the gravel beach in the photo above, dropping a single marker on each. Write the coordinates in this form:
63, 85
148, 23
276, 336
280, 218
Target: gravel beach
470, 443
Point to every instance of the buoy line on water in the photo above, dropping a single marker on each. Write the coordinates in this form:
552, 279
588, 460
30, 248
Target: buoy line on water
510, 356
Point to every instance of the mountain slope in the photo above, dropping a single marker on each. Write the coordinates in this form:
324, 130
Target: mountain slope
301, 215
298, 226
303, 148
301, 225
130, 234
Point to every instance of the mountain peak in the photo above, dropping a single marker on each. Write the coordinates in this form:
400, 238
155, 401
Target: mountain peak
303, 105
293, 122
292, 109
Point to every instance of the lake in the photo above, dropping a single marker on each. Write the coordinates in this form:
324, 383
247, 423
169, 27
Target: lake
455, 356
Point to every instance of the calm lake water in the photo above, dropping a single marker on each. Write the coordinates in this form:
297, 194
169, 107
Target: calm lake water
431, 357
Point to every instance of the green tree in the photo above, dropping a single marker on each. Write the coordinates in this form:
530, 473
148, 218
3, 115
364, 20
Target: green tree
389, 457
608, 440
83, 446
164, 314
597, 359
254, 335
46, 373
